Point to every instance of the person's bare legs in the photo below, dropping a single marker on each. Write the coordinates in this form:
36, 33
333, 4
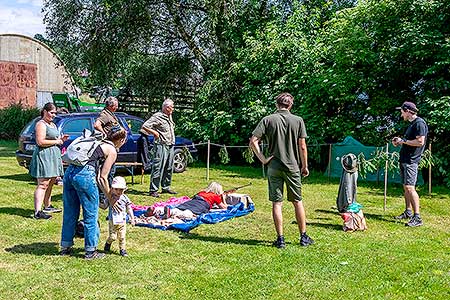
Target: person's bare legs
277, 214
408, 196
412, 199
300, 216
48, 192
40, 192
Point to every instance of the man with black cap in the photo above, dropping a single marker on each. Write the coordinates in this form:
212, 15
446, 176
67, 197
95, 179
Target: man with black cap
285, 134
413, 145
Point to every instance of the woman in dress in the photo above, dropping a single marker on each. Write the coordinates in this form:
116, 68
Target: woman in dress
46, 163
81, 188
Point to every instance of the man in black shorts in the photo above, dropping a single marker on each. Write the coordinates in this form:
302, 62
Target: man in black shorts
413, 145
285, 134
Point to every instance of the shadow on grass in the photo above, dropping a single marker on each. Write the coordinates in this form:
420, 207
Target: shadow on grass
224, 240
43, 248
368, 216
132, 191
326, 225
35, 248
17, 211
19, 177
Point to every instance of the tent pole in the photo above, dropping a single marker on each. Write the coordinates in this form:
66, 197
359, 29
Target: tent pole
386, 175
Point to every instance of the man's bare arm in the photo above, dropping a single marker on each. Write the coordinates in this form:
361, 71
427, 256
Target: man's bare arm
254, 145
303, 149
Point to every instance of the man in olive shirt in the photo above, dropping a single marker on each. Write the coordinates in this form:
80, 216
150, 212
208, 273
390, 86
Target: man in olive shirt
162, 127
285, 134
107, 119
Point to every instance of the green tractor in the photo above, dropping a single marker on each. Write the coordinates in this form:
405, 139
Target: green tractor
74, 104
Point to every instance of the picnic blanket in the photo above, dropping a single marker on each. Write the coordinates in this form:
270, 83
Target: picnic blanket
212, 217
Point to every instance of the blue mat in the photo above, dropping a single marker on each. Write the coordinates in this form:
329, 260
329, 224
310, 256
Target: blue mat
213, 217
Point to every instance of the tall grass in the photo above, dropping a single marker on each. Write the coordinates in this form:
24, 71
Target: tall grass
233, 259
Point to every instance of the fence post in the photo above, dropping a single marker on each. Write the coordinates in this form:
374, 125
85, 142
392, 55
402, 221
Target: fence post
386, 175
329, 161
207, 160
429, 173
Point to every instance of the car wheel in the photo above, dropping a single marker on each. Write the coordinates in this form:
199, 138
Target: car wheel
179, 161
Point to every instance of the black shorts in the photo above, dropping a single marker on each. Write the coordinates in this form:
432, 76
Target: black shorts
408, 173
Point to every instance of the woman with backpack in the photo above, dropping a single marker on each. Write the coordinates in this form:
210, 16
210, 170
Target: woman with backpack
80, 187
46, 164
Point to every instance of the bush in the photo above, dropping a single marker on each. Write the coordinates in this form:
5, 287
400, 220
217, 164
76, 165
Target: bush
13, 119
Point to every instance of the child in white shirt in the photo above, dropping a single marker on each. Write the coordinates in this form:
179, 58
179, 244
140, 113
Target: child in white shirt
118, 219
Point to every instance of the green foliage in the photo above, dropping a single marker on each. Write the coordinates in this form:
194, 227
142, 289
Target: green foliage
248, 155
223, 154
187, 155
13, 120
347, 63
378, 162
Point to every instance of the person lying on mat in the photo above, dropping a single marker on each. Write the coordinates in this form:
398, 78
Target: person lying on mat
201, 203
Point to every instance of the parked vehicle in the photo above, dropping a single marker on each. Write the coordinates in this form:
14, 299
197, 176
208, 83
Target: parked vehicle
74, 104
73, 125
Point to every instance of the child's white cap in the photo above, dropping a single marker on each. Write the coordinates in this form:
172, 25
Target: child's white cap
119, 183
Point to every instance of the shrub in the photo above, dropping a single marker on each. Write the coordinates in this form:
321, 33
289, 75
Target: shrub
13, 119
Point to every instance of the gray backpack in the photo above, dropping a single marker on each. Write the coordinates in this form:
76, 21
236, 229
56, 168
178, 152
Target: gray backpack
80, 150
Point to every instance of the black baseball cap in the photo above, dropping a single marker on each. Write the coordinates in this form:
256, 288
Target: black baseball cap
408, 106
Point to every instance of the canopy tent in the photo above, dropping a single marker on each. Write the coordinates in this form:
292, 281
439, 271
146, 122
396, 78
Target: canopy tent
351, 145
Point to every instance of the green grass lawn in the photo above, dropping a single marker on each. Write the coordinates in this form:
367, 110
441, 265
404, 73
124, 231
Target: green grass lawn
233, 259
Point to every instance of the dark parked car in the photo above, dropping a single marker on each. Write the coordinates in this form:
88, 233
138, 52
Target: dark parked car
73, 125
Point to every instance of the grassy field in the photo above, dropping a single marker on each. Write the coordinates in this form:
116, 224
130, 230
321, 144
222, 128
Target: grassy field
233, 259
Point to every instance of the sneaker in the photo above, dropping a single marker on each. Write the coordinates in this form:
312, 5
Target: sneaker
305, 240
406, 215
42, 215
94, 255
279, 243
107, 247
154, 194
66, 251
51, 209
414, 222
123, 252
168, 191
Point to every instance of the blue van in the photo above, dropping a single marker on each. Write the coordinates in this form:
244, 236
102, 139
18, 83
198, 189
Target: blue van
73, 125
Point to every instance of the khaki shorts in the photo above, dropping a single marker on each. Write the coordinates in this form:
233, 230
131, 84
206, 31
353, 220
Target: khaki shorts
277, 177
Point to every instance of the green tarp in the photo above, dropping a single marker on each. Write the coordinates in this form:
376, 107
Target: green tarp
350, 145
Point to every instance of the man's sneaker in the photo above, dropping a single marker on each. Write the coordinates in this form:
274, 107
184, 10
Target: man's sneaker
51, 209
406, 215
90, 255
279, 243
305, 240
168, 191
123, 252
154, 194
414, 222
107, 247
66, 251
42, 215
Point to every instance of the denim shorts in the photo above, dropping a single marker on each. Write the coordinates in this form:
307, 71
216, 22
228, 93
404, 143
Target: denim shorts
277, 177
408, 173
